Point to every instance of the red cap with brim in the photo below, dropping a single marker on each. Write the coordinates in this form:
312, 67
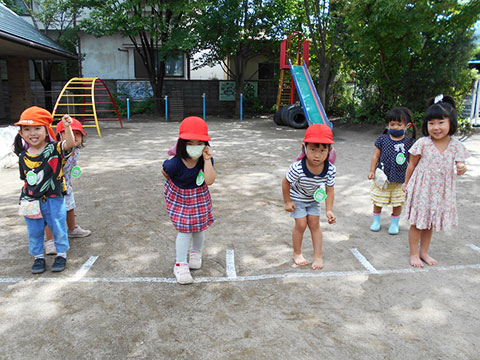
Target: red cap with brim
319, 134
36, 116
193, 128
76, 125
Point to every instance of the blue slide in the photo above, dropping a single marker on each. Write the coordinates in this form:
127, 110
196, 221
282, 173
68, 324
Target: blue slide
312, 107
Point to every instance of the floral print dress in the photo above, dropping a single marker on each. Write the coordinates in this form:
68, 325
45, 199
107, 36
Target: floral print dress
431, 201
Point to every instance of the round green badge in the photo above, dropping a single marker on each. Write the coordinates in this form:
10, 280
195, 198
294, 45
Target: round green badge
400, 159
200, 178
76, 171
31, 178
319, 195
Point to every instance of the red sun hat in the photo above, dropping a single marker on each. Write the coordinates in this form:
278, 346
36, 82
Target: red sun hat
76, 125
319, 134
37, 116
193, 128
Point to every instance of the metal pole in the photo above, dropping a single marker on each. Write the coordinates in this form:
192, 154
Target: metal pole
128, 109
203, 96
241, 107
166, 108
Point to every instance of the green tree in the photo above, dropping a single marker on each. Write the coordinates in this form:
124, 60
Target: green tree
236, 31
404, 52
156, 28
326, 27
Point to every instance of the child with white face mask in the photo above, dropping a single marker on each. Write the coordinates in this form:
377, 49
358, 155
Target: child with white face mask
188, 200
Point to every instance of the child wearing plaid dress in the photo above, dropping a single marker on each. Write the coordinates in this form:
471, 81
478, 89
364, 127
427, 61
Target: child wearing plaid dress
188, 200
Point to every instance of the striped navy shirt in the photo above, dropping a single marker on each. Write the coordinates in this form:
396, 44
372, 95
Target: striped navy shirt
303, 183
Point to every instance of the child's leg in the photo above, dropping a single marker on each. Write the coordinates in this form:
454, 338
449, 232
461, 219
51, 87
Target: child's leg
181, 247
414, 239
71, 220
425, 239
377, 212
55, 214
35, 228
49, 242
297, 237
317, 241
195, 260
395, 218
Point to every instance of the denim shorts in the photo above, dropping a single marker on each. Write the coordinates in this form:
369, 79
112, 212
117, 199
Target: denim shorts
302, 209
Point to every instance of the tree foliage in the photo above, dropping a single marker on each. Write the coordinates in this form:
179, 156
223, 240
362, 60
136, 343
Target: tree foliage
404, 52
236, 31
156, 28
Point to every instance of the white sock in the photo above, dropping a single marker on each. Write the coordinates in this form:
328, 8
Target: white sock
198, 240
181, 247
41, 256
64, 255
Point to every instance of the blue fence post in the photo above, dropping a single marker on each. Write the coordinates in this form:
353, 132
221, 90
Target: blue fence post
166, 108
241, 107
203, 96
128, 109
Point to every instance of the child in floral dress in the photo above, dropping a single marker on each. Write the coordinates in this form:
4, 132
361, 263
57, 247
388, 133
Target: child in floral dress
429, 180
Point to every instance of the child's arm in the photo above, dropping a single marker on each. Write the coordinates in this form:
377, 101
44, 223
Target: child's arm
412, 164
165, 174
329, 204
374, 162
69, 137
208, 170
461, 167
289, 204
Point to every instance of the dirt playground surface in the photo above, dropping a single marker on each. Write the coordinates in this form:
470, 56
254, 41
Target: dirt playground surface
249, 301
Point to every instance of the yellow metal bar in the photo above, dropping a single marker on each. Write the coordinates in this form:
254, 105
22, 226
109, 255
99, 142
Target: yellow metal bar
94, 107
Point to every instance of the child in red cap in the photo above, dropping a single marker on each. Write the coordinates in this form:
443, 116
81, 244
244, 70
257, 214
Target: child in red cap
306, 184
70, 170
41, 200
188, 200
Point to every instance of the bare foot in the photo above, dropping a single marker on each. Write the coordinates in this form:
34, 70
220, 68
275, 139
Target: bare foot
299, 260
317, 264
429, 260
415, 261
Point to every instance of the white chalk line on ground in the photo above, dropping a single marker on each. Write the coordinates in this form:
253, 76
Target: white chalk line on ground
473, 247
84, 269
363, 260
316, 274
230, 264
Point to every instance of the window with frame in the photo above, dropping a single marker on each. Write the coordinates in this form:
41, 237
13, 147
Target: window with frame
174, 66
268, 71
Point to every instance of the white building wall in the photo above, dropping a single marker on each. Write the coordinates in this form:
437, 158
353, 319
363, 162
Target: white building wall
106, 57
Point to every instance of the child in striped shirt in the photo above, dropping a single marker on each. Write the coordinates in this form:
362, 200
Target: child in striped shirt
306, 184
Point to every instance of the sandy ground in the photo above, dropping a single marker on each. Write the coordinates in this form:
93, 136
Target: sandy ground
259, 306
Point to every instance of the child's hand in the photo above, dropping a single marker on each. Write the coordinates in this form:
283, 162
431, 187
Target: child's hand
461, 168
404, 187
371, 175
207, 153
67, 121
331, 218
290, 206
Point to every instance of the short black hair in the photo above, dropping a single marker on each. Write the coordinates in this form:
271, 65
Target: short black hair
182, 148
318, 145
399, 113
444, 109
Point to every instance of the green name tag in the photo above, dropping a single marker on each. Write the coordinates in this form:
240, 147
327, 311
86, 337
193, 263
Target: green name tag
320, 195
200, 178
76, 172
400, 159
31, 178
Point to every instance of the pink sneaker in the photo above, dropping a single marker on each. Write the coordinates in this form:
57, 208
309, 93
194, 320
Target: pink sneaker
195, 261
182, 274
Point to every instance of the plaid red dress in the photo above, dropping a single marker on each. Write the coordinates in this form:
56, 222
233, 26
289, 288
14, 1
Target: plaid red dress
189, 209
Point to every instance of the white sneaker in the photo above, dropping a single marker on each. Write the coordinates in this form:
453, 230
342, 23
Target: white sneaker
182, 274
50, 248
195, 261
78, 232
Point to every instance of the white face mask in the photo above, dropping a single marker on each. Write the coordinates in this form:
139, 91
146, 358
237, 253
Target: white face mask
195, 151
